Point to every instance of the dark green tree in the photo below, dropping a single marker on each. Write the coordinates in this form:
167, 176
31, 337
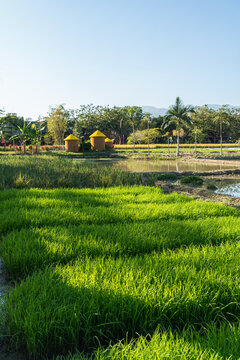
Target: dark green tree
9, 125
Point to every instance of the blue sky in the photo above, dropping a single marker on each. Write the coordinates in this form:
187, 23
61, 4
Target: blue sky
118, 52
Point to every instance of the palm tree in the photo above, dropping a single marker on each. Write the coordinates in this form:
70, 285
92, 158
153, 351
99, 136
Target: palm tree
179, 114
148, 119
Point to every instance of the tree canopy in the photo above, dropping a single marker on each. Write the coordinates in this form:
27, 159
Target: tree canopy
204, 124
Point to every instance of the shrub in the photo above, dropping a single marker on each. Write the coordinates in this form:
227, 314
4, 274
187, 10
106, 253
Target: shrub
193, 180
85, 146
167, 176
211, 187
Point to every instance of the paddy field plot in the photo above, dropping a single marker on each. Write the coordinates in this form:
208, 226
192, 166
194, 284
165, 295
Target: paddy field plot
96, 266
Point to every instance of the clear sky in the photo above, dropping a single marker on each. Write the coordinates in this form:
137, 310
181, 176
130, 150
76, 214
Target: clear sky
118, 52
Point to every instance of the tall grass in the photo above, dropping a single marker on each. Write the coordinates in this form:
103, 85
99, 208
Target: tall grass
54, 172
99, 265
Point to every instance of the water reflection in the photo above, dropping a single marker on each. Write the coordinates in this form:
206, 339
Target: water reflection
161, 165
232, 189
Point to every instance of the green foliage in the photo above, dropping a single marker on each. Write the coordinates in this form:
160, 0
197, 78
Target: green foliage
85, 146
211, 187
113, 122
207, 121
167, 176
37, 131
24, 134
141, 137
9, 124
179, 115
194, 180
57, 123
117, 122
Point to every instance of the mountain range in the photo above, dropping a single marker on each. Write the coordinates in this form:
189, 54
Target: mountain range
162, 111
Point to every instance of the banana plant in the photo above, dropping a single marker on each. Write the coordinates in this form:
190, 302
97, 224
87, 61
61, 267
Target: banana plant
37, 134
25, 133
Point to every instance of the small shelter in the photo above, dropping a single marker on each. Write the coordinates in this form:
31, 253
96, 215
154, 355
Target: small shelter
71, 143
108, 143
97, 140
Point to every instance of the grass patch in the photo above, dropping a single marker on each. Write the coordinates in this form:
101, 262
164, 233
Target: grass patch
54, 172
99, 265
105, 298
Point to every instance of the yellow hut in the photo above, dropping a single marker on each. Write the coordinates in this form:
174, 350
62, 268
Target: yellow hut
71, 143
108, 143
97, 140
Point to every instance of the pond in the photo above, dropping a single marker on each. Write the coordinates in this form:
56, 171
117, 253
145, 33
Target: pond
161, 165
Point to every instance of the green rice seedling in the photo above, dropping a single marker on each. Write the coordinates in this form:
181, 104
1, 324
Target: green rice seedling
213, 344
105, 298
26, 211
57, 226
27, 250
102, 263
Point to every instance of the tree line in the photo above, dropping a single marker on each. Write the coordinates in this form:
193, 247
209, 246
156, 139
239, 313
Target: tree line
132, 124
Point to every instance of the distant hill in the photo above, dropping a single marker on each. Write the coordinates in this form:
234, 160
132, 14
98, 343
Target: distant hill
162, 111
154, 111
216, 107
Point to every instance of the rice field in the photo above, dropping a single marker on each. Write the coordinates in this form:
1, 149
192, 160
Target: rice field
120, 273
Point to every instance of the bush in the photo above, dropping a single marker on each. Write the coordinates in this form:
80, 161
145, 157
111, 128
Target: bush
193, 180
211, 187
167, 176
85, 146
